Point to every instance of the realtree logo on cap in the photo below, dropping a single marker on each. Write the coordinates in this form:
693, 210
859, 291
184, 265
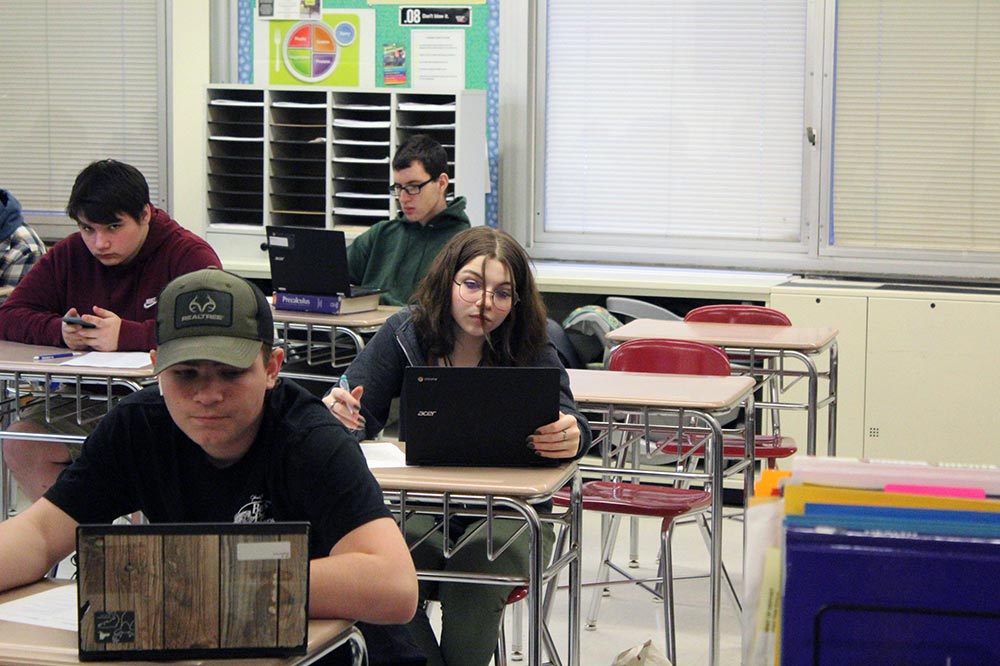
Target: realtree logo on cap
203, 308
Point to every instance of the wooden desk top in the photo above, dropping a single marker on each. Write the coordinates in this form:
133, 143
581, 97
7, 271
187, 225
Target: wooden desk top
751, 336
527, 483
17, 357
34, 645
647, 389
367, 319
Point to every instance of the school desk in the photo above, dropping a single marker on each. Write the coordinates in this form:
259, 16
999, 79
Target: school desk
21, 376
34, 645
774, 344
702, 397
500, 492
310, 338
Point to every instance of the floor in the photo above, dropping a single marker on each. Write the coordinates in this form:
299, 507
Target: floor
630, 616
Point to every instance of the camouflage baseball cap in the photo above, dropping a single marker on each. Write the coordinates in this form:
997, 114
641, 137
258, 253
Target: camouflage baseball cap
211, 315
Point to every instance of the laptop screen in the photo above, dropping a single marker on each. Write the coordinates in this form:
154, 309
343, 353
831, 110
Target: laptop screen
308, 261
476, 416
186, 591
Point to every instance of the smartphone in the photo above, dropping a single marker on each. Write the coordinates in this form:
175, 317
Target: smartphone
79, 321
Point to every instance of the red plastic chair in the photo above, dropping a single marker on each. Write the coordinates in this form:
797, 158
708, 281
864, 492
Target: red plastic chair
771, 447
621, 498
739, 314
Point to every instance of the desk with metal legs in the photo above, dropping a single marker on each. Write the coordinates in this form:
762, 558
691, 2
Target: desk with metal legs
703, 397
775, 344
310, 338
21, 376
33, 645
500, 492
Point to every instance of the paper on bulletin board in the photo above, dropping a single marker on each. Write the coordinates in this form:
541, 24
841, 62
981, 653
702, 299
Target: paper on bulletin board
270, 10
436, 2
438, 59
331, 51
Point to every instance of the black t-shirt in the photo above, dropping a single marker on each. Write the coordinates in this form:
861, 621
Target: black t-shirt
304, 465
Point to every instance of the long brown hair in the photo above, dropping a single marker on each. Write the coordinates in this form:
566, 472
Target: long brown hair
521, 336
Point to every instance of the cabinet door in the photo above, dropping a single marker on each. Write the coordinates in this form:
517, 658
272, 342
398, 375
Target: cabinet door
848, 315
933, 373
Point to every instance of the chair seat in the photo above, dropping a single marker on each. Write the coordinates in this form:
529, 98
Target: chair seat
636, 499
766, 447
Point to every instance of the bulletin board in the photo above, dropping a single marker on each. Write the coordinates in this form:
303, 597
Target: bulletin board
388, 44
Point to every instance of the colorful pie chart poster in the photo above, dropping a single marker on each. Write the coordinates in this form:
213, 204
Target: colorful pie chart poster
326, 52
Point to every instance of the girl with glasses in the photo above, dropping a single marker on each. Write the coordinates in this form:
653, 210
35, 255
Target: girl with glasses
477, 306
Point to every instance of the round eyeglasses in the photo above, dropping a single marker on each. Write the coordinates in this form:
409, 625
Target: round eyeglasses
412, 190
471, 291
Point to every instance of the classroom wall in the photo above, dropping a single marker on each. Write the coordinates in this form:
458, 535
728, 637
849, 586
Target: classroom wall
188, 39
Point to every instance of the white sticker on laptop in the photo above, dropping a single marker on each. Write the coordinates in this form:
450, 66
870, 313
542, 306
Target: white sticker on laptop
267, 550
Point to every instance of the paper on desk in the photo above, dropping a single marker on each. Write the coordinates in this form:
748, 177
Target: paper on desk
383, 454
111, 360
55, 608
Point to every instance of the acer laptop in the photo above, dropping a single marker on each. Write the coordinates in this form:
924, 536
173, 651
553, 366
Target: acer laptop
310, 261
478, 417
192, 591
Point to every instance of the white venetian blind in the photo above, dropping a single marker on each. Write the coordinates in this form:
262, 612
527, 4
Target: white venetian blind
79, 81
917, 126
675, 119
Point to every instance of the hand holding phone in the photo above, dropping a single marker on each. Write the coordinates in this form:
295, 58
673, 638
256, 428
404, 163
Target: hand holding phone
79, 321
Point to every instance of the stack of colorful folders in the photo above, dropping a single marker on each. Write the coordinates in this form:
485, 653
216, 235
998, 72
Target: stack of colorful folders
884, 563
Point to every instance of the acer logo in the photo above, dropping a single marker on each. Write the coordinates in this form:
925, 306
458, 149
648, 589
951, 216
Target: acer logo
427, 412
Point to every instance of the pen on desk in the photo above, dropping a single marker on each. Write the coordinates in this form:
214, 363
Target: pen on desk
344, 384
46, 357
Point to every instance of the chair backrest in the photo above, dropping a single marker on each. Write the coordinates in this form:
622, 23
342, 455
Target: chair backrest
736, 313
682, 357
632, 308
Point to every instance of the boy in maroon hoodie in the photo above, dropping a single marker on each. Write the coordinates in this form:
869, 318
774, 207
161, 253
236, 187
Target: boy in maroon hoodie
108, 273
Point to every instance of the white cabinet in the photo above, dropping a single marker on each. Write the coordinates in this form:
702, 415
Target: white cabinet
848, 314
919, 367
320, 157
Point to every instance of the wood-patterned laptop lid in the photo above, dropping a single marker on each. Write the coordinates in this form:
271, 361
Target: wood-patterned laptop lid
189, 591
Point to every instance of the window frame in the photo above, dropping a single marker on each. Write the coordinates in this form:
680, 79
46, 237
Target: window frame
522, 136
51, 222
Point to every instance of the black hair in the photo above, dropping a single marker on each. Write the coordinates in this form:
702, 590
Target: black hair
106, 189
521, 336
421, 148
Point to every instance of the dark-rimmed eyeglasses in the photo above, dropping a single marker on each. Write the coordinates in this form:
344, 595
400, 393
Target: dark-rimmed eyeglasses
471, 291
412, 190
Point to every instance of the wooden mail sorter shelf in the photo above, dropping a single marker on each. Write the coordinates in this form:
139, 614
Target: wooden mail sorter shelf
321, 157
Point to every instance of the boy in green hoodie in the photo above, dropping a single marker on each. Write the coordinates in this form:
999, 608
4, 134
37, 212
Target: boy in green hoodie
395, 254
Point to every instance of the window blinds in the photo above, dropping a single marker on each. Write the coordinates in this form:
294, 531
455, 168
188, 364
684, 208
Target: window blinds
916, 161
80, 81
674, 119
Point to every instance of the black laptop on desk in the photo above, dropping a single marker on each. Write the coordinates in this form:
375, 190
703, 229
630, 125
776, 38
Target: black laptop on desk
479, 417
310, 261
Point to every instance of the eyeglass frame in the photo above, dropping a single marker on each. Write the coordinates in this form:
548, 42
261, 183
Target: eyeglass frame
493, 295
396, 189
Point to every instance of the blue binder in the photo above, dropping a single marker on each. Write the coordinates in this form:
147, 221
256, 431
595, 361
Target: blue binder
865, 597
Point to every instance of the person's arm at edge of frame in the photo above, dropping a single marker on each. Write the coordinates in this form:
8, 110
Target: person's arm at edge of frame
33, 541
368, 576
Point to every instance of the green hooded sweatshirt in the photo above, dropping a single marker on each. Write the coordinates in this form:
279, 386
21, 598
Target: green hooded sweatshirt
395, 254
